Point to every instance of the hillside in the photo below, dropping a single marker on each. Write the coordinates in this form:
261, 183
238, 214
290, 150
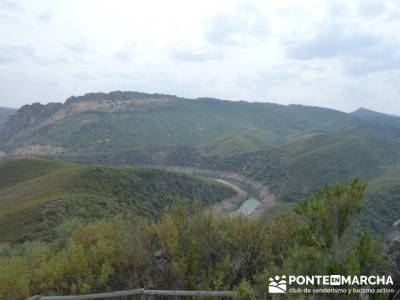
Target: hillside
38, 195
303, 165
382, 207
293, 149
129, 121
372, 115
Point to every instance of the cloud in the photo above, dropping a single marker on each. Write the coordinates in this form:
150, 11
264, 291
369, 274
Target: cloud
77, 46
197, 54
10, 54
14, 53
363, 66
127, 53
359, 52
45, 17
371, 7
9, 5
246, 25
331, 41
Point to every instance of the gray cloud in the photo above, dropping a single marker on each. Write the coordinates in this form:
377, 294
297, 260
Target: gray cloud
54, 50
10, 54
330, 41
245, 26
14, 53
358, 52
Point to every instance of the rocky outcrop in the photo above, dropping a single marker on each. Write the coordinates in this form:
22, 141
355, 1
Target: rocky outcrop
391, 250
26, 117
36, 150
30, 118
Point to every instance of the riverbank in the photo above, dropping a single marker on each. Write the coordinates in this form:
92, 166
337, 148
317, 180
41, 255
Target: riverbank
233, 180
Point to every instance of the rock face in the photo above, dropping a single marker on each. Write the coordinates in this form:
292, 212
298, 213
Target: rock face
26, 117
391, 250
30, 118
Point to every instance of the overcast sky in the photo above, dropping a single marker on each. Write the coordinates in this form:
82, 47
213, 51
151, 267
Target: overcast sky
338, 54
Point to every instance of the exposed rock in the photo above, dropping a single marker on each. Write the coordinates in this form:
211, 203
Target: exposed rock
391, 250
37, 150
30, 118
26, 117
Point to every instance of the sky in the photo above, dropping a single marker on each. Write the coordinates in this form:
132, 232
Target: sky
338, 54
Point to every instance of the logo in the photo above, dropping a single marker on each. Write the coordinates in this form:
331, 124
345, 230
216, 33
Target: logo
277, 285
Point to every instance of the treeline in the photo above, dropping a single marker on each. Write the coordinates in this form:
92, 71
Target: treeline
190, 247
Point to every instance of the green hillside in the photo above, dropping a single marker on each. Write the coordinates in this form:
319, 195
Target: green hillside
382, 207
212, 126
37, 195
302, 166
295, 150
237, 142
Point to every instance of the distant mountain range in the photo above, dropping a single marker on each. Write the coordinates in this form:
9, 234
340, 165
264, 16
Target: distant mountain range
293, 149
4, 113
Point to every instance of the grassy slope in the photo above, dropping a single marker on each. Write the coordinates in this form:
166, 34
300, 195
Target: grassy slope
37, 195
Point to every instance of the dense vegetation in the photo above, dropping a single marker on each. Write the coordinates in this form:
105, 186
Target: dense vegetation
192, 248
38, 195
295, 150
211, 125
304, 165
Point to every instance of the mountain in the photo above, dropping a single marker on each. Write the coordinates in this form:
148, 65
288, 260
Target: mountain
371, 115
38, 195
4, 113
293, 149
100, 123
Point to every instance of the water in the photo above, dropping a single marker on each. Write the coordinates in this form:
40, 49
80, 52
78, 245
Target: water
248, 206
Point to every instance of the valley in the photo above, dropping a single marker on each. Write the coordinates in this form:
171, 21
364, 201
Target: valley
252, 196
289, 151
189, 150
125, 189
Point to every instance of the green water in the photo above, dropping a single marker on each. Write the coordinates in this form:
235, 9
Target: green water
248, 206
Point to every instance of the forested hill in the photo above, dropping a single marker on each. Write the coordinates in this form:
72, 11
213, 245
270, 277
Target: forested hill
293, 149
38, 195
108, 123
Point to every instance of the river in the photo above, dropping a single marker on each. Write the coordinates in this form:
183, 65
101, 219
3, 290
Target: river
249, 206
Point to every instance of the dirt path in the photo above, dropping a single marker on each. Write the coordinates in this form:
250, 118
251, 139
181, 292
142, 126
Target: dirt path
266, 197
